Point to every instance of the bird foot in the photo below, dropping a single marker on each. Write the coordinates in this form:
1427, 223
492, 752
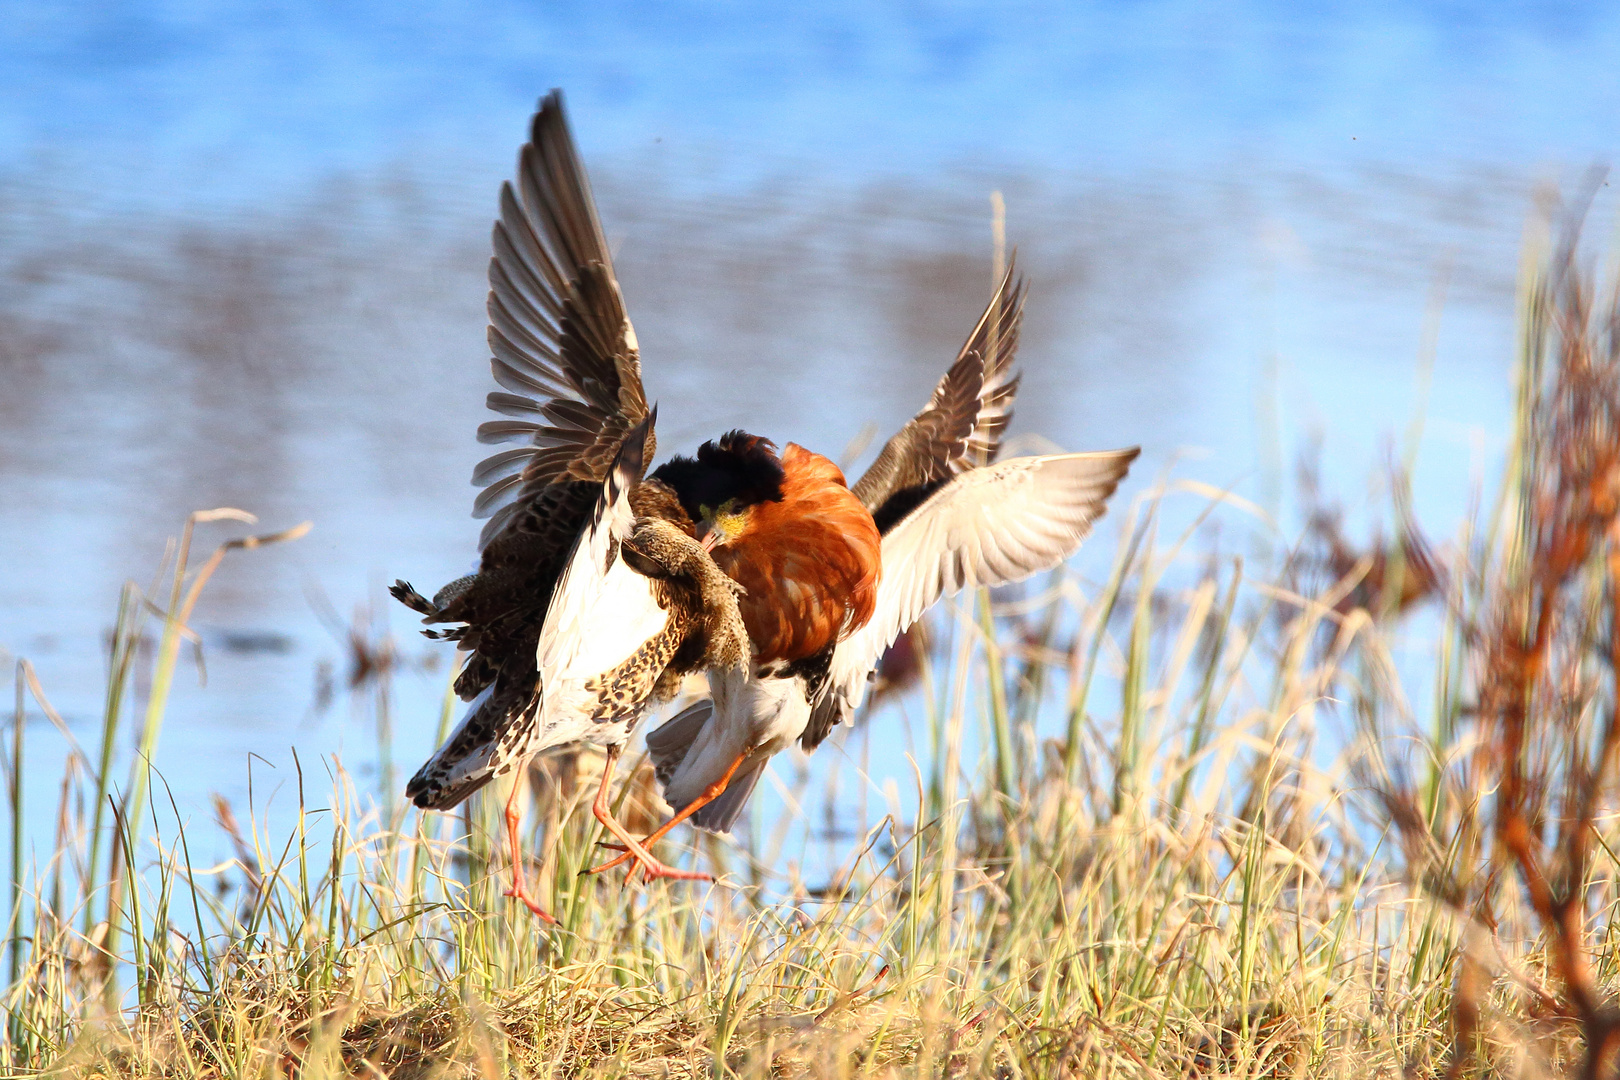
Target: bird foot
650, 868
529, 902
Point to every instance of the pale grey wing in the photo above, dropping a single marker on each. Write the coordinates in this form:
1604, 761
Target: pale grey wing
668, 742
961, 426
667, 747
563, 348
989, 526
720, 814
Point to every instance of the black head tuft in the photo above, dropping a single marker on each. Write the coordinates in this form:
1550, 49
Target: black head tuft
752, 458
736, 466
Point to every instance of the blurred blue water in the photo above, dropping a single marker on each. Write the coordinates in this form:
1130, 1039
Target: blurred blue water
241, 252
238, 102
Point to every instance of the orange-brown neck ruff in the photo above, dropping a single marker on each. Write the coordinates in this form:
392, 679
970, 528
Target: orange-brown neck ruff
810, 562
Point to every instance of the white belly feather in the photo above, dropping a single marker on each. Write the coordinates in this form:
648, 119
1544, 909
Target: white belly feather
764, 716
601, 620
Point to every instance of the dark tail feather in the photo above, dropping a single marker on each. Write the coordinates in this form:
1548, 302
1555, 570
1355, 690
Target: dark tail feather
423, 792
721, 814
468, 759
402, 591
668, 743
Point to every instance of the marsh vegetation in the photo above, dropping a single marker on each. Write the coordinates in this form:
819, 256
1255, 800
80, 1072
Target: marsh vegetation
1204, 815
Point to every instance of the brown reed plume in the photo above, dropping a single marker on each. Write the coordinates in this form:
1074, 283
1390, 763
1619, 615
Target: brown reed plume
1539, 629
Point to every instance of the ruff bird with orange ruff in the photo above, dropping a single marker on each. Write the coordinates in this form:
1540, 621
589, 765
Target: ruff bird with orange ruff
948, 519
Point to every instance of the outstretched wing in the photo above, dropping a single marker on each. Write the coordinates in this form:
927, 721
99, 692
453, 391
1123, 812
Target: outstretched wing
563, 348
565, 354
989, 526
960, 427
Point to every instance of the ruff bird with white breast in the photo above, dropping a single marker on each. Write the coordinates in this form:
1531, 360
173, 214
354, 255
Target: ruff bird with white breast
566, 358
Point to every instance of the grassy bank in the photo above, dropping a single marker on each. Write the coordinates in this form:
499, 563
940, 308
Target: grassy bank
1188, 820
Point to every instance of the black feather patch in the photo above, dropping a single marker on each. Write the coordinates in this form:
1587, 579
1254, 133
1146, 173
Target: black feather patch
901, 503
736, 466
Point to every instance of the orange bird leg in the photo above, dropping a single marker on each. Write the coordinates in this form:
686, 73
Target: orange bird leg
634, 849
514, 818
710, 793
